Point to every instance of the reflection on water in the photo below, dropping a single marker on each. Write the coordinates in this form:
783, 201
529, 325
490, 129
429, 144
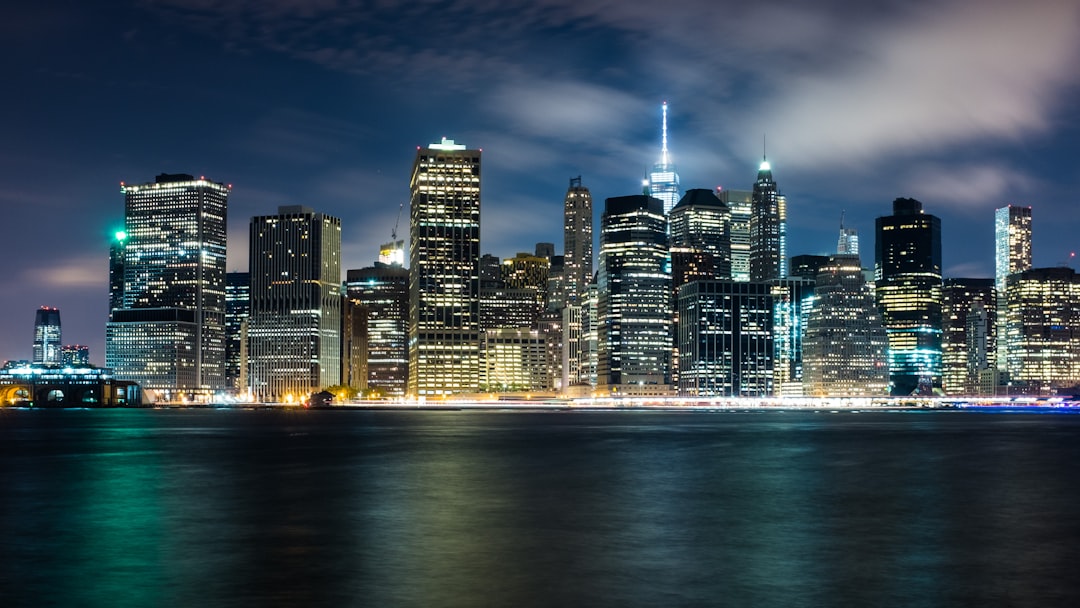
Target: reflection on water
303, 508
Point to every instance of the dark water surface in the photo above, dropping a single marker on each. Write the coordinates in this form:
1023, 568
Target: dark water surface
346, 508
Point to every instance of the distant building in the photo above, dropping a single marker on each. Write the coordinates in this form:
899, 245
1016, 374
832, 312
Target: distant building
379, 299
1043, 328
75, 355
515, 360
725, 339
663, 181
1012, 254
528, 271
790, 299
47, 342
808, 266
844, 350
908, 289
768, 228
699, 237
509, 307
969, 335
53, 385
116, 272
294, 331
169, 333
444, 268
237, 312
577, 240
634, 352
740, 206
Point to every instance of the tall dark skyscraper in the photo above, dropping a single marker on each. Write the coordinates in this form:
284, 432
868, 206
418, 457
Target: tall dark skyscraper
116, 272
237, 311
634, 297
169, 334
294, 331
700, 242
47, 344
444, 273
907, 273
968, 343
768, 228
380, 295
577, 240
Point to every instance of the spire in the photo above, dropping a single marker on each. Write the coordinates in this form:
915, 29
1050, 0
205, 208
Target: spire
841, 220
764, 159
663, 131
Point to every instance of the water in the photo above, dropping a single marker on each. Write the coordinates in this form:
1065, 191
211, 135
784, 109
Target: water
344, 508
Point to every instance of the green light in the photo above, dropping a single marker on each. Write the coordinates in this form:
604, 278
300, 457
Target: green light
121, 235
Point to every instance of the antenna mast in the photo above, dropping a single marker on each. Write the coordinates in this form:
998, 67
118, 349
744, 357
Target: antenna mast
663, 130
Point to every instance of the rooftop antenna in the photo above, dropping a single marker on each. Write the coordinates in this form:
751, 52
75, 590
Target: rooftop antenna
763, 156
663, 130
841, 220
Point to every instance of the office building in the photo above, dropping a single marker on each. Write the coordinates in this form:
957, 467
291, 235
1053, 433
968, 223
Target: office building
577, 240
808, 266
1043, 329
968, 336
740, 205
700, 241
515, 360
376, 350
237, 311
75, 355
116, 272
47, 343
907, 274
663, 181
528, 271
844, 349
1012, 254
791, 299
444, 281
634, 351
294, 328
169, 333
768, 228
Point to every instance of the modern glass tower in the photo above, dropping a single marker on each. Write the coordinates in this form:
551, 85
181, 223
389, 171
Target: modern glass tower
294, 331
968, 343
380, 360
444, 272
634, 297
169, 333
663, 182
577, 240
1012, 254
740, 204
237, 311
907, 274
768, 228
47, 344
1043, 329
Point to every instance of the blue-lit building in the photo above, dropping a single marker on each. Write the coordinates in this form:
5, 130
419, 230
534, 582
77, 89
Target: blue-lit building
663, 181
48, 385
908, 289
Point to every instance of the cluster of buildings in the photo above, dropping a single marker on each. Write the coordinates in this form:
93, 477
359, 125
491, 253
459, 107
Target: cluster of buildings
694, 294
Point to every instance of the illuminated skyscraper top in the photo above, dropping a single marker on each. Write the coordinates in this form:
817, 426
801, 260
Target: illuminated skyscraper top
663, 182
849, 240
1012, 240
768, 228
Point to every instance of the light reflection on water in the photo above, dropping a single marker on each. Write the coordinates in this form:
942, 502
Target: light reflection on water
300, 508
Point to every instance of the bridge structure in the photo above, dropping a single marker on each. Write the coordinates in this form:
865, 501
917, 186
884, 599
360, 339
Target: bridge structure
37, 385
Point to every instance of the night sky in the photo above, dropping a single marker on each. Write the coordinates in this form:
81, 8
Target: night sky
965, 105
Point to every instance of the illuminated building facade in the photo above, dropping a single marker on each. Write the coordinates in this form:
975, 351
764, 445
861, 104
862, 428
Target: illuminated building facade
237, 311
1043, 328
1012, 254
969, 336
75, 355
116, 272
789, 299
169, 333
444, 281
768, 228
528, 271
47, 342
379, 300
725, 339
294, 331
907, 274
844, 349
577, 240
808, 266
52, 385
740, 205
392, 253
634, 297
515, 360
509, 307
663, 182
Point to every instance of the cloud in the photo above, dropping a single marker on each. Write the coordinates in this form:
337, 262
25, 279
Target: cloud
79, 272
970, 186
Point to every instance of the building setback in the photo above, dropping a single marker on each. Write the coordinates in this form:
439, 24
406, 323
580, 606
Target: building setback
444, 273
294, 331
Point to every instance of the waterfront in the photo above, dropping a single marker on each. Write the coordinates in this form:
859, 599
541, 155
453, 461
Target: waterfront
463, 508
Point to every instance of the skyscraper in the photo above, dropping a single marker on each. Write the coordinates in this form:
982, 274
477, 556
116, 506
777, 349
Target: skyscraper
768, 228
381, 295
1012, 254
47, 345
907, 274
444, 281
966, 347
237, 311
700, 242
844, 350
169, 334
75, 355
116, 272
634, 297
294, 331
577, 240
740, 204
663, 182
1043, 329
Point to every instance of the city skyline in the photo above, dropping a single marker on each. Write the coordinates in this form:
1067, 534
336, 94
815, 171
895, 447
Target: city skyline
937, 105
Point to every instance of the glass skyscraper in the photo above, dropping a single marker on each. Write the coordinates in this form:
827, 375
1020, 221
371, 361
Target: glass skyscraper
634, 297
294, 331
379, 358
1043, 329
768, 228
740, 206
169, 333
444, 271
237, 311
907, 275
663, 182
47, 345
1012, 254
968, 343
